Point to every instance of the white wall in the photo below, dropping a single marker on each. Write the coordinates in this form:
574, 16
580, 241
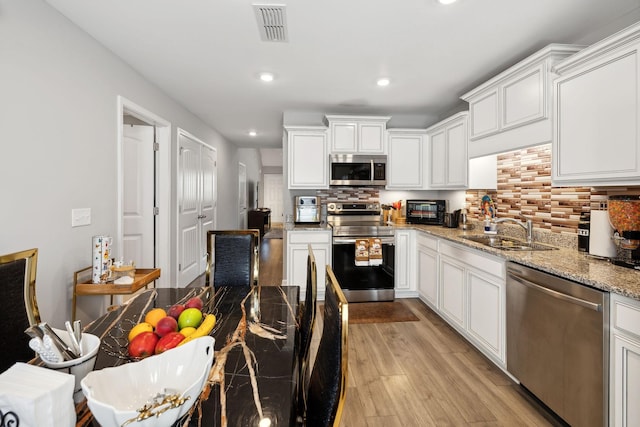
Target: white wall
58, 99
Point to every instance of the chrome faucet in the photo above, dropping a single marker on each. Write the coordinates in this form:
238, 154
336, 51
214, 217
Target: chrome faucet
527, 224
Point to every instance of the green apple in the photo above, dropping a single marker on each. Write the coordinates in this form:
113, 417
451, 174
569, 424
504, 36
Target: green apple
190, 317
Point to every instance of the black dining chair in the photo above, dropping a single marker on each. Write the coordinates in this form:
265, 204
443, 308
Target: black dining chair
20, 308
233, 257
328, 382
307, 320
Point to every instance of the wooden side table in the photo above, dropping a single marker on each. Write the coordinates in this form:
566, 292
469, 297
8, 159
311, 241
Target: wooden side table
83, 286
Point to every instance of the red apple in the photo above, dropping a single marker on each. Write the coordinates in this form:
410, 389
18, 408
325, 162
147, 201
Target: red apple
175, 310
166, 325
143, 344
194, 302
169, 341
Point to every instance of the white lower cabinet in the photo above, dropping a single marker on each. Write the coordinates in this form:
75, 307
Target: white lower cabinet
624, 374
404, 272
296, 261
472, 290
427, 269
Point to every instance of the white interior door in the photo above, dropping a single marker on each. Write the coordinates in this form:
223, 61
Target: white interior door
273, 196
197, 200
138, 191
242, 196
189, 239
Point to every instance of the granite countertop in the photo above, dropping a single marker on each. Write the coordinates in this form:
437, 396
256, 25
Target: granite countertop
563, 262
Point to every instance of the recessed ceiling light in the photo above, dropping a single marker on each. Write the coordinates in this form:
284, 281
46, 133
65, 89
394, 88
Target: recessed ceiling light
252, 133
446, 1
266, 77
383, 82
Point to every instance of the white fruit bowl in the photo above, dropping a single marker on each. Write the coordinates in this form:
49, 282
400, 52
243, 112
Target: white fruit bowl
114, 395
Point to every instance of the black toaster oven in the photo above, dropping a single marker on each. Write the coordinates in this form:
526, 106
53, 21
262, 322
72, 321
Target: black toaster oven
429, 212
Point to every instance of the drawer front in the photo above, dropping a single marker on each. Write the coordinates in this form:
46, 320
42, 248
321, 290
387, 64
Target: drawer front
488, 264
626, 314
302, 237
427, 241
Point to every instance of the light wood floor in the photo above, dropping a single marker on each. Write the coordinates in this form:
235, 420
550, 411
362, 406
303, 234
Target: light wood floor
421, 373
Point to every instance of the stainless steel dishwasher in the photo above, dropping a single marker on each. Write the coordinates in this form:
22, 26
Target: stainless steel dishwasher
558, 343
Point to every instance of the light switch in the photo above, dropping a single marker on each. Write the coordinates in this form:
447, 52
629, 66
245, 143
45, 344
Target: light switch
80, 217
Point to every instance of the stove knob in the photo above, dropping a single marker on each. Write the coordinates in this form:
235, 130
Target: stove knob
331, 206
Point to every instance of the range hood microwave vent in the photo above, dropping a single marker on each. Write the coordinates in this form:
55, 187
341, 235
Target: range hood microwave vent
272, 22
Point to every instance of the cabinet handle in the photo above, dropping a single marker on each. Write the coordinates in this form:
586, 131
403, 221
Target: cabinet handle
201, 216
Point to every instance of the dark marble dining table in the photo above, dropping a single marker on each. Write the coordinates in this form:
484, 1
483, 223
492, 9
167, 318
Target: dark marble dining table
262, 319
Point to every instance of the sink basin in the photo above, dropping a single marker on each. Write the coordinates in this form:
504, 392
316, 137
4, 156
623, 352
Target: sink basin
507, 243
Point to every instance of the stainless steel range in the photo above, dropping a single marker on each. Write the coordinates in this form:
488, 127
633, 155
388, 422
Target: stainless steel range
361, 281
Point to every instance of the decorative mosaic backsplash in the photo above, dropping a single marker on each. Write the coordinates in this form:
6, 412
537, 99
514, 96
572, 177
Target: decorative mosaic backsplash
524, 186
349, 194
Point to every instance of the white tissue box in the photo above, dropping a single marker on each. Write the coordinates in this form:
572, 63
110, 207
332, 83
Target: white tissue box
37, 396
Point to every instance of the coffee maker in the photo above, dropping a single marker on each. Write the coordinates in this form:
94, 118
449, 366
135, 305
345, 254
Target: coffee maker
624, 215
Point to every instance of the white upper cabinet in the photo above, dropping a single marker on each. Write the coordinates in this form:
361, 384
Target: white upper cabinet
357, 134
406, 158
513, 109
597, 114
448, 160
307, 157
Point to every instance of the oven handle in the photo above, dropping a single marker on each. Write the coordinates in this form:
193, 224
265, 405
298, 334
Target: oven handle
352, 241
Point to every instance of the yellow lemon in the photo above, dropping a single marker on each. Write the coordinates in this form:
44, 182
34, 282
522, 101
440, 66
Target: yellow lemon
138, 329
187, 331
154, 315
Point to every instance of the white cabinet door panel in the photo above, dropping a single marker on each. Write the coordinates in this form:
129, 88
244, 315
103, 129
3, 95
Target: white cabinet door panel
405, 161
428, 275
457, 160
452, 298
484, 114
308, 159
486, 323
438, 151
344, 137
625, 390
594, 112
371, 138
524, 99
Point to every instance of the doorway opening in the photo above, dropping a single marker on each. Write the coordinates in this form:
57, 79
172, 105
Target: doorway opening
144, 141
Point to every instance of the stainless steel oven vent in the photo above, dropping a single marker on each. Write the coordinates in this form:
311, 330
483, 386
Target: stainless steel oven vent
272, 22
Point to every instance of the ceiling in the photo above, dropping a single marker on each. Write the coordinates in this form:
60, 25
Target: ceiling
207, 54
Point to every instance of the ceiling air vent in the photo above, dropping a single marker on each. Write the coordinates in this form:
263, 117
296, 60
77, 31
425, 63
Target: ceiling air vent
272, 22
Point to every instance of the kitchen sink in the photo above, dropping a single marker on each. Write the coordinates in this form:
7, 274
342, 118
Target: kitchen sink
507, 243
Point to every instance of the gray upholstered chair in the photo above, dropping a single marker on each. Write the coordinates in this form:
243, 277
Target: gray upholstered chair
233, 257
18, 296
307, 320
328, 382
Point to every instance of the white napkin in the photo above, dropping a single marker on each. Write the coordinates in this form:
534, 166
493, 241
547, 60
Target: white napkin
37, 396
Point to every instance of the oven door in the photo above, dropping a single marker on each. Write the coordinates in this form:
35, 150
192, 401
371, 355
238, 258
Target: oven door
364, 283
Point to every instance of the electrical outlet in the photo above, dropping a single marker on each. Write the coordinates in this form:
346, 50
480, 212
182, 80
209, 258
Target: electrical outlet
80, 217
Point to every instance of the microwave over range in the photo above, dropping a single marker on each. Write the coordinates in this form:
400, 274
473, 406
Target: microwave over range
358, 170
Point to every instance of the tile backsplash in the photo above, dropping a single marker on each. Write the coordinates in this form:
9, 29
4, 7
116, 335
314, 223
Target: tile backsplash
524, 186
